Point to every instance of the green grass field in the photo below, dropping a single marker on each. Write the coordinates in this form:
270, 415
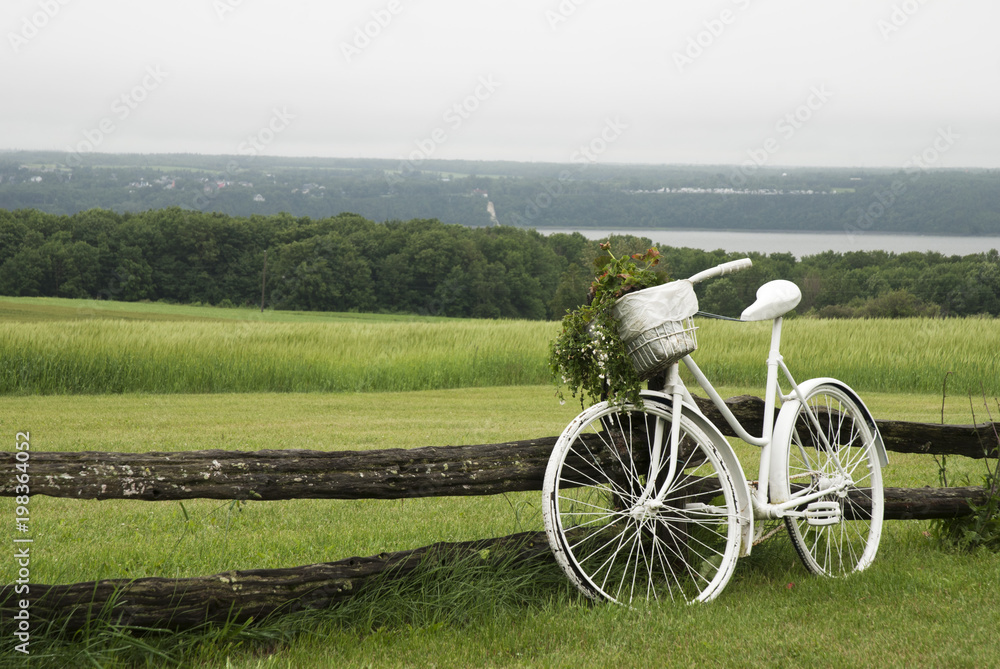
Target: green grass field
918, 605
53, 346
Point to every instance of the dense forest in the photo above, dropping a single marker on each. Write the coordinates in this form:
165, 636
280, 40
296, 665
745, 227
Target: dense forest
423, 266
527, 195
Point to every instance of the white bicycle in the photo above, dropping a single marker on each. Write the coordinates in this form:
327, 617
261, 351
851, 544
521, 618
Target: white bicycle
652, 503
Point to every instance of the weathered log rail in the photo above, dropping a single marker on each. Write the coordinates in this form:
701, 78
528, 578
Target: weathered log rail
484, 469
487, 469
251, 594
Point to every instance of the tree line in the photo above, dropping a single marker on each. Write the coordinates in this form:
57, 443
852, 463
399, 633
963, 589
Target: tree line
423, 266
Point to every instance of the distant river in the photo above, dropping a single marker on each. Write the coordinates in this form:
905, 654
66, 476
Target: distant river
799, 243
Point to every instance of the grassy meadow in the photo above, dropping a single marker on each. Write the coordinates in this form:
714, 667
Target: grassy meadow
185, 350
52, 346
129, 378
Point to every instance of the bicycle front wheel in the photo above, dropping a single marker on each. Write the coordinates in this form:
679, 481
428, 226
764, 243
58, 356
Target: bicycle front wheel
835, 445
613, 538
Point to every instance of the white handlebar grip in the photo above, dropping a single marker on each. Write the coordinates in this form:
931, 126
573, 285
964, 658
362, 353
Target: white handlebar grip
734, 266
724, 268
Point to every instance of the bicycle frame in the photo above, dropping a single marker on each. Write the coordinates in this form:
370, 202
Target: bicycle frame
763, 506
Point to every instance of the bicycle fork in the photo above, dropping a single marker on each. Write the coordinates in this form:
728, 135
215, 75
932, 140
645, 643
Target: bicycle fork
651, 497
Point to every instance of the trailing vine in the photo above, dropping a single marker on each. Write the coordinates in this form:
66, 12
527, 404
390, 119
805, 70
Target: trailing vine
588, 355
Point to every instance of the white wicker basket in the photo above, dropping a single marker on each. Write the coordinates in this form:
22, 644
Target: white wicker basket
655, 349
656, 327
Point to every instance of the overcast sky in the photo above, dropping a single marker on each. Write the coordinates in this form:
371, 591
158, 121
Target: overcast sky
778, 82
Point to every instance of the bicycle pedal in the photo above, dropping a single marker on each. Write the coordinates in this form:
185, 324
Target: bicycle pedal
823, 513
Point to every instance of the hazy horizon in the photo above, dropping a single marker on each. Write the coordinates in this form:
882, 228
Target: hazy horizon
774, 167
859, 84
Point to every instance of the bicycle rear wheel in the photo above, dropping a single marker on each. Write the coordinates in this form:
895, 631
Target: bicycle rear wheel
615, 544
840, 449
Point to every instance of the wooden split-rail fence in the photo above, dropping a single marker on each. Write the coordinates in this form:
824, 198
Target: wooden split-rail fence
484, 469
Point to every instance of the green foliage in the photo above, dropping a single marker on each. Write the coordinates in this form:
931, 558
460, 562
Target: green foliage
890, 304
980, 529
618, 276
588, 355
343, 263
423, 266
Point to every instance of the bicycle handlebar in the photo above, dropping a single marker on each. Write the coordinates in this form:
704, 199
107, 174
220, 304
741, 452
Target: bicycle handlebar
719, 270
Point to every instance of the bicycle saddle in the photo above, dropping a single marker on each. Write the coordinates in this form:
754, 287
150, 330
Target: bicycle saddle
774, 299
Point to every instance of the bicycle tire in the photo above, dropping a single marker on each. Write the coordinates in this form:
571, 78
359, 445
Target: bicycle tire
614, 549
850, 544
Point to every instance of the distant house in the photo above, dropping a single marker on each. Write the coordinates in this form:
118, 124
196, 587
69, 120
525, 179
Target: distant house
259, 198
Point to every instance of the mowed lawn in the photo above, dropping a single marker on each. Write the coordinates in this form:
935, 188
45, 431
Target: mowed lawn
918, 605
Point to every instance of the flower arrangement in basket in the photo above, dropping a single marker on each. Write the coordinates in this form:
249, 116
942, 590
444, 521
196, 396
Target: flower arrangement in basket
589, 355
